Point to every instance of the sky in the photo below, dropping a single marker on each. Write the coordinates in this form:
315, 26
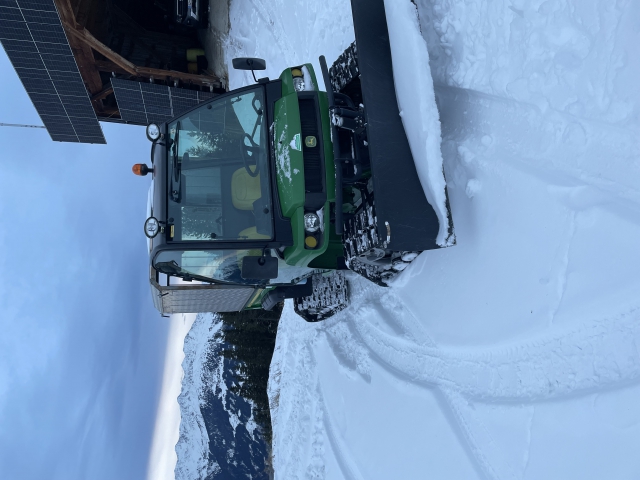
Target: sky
82, 349
163, 456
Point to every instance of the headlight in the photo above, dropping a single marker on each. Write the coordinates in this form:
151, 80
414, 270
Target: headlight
151, 227
153, 132
298, 84
311, 222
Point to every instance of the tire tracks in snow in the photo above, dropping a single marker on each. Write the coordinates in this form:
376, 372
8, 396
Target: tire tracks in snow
349, 468
292, 401
599, 354
484, 450
475, 437
302, 421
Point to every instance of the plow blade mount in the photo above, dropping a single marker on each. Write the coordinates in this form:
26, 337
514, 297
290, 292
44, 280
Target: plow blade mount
404, 216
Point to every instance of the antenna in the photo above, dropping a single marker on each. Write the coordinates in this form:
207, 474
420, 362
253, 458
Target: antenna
20, 125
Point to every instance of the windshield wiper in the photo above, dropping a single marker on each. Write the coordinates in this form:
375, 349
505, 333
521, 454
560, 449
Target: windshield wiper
173, 269
177, 168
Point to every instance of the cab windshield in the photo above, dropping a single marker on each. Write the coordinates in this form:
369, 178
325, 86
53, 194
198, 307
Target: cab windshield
218, 175
221, 266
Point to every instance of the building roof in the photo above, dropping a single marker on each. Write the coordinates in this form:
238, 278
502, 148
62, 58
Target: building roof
71, 73
33, 37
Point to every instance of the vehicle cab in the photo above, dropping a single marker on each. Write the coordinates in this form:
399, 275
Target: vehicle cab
241, 197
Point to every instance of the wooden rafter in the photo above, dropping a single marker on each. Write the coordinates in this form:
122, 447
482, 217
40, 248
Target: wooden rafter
84, 58
103, 94
83, 36
110, 67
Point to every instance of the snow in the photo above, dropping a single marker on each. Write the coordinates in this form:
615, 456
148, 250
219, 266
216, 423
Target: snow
283, 158
286, 33
308, 79
514, 353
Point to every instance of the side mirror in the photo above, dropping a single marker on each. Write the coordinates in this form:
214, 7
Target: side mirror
245, 63
259, 268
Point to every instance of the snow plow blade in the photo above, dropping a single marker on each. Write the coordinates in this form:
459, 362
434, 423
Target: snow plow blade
404, 216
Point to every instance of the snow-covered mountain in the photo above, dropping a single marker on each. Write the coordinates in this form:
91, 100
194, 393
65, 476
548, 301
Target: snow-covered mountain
218, 437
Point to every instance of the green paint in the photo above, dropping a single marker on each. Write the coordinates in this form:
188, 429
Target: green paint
329, 259
289, 162
290, 174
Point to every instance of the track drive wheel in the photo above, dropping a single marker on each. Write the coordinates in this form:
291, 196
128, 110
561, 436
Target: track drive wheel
330, 295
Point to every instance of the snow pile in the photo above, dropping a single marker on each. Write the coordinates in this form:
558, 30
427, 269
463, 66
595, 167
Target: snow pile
417, 104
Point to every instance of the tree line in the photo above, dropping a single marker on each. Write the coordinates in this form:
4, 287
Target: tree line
250, 339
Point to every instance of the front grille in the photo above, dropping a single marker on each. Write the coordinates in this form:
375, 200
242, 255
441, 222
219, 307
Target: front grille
312, 156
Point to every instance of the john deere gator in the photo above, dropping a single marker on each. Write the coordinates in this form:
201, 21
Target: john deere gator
274, 190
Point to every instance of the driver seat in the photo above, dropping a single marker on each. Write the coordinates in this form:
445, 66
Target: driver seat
245, 189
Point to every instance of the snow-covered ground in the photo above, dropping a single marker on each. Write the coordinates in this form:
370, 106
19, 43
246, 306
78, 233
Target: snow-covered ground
513, 354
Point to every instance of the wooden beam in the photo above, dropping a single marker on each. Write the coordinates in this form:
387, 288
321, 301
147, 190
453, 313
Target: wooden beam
85, 61
85, 11
66, 12
85, 36
110, 112
109, 66
103, 94
81, 52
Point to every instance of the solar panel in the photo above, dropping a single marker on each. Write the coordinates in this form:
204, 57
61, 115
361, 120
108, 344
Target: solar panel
35, 42
144, 103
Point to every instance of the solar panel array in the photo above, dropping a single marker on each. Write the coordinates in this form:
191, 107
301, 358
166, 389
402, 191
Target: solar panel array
144, 103
34, 39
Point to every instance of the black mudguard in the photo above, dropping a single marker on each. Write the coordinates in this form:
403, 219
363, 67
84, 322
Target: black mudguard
404, 216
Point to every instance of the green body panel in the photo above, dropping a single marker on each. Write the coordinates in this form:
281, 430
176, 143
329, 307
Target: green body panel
297, 254
290, 174
329, 259
288, 152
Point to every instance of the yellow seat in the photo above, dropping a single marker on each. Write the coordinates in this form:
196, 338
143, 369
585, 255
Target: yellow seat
245, 189
251, 233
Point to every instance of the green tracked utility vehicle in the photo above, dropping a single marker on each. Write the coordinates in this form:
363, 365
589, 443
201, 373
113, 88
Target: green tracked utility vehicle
271, 191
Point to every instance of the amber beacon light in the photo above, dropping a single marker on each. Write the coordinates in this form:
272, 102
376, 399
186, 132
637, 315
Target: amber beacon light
141, 169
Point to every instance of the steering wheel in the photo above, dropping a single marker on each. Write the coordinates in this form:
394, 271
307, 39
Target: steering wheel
249, 154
